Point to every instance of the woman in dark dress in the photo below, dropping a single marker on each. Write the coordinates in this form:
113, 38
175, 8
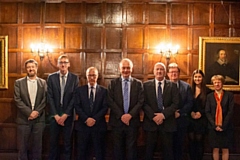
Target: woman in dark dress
198, 120
219, 112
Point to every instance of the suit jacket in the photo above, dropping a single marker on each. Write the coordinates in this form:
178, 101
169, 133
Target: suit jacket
115, 102
54, 94
227, 104
185, 103
23, 103
170, 103
82, 107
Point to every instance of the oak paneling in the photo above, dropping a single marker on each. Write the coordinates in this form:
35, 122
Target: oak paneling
31, 36
94, 13
31, 13
93, 38
196, 33
114, 38
135, 37
114, 13
73, 38
12, 33
52, 13
179, 14
156, 35
9, 10
53, 36
112, 63
157, 13
13, 60
137, 60
73, 12
222, 13
135, 13
201, 14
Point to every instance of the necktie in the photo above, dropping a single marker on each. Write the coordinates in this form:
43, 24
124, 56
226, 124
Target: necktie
125, 96
91, 99
62, 89
159, 98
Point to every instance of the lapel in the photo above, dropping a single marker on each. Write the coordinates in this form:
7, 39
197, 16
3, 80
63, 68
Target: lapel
39, 90
152, 89
166, 88
25, 87
57, 80
69, 79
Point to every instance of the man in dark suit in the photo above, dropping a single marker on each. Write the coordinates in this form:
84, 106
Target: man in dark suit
125, 98
61, 88
184, 108
161, 99
91, 107
30, 99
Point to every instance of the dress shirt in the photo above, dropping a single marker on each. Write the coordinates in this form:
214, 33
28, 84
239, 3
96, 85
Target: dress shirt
65, 77
129, 86
156, 87
32, 90
93, 89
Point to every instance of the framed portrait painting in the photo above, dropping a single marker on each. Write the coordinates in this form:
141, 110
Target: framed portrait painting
221, 55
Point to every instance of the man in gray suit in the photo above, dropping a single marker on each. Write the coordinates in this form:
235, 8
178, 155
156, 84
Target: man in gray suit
125, 98
30, 99
161, 98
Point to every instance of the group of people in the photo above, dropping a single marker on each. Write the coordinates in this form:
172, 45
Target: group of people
172, 110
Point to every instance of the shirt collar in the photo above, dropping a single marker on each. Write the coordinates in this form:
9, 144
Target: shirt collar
63, 75
89, 86
32, 80
129, 78
162, 81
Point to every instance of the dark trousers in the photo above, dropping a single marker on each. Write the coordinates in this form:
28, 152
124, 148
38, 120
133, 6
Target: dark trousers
85, 139
33, 131
196, 147
55, 130
178, 142
125, 143
166, 143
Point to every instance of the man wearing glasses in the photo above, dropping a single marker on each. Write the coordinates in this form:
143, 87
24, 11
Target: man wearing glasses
91, 106
60, 92
184, 108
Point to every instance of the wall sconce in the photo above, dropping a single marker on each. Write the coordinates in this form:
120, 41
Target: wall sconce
41, 49
168, 50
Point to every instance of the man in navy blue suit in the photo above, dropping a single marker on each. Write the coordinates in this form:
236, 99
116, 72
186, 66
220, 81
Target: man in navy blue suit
184, 108
60, 92
91, 107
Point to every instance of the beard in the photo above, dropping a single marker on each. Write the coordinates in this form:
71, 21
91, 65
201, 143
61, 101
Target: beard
31, 74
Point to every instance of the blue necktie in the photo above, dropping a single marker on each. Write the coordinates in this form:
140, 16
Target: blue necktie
62, 89
91, 99
159, 98
125, 96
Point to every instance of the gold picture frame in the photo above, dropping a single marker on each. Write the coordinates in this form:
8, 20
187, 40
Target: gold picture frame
211, 63
4, 62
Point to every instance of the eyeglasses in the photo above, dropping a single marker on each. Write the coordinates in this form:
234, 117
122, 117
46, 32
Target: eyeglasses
63, 62
173, 72
92, 75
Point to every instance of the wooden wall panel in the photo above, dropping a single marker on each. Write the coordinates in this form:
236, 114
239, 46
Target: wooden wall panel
114, 13
222, 32
93, 59
222, 13
179, 14
201, 14
31, 36
53, 36
12, 33
156, 36
9, 10
73, 37
52, 12
73, 12
157, 13
134, 37
31, 13
196, 33
137, 60
235, 13
112, 63
114, 38
180, 37
94, 13
93, 38
135, 13
13, 60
